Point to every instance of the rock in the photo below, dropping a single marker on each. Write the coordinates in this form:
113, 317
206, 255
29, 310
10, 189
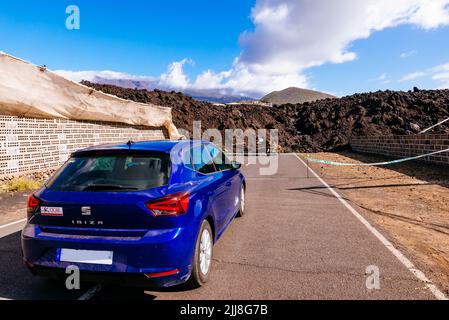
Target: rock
236, 113
414, 127
310, 127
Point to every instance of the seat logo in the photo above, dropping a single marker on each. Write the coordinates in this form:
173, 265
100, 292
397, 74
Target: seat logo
85, 211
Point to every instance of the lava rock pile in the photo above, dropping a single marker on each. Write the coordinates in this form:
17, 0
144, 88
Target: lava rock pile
323, 125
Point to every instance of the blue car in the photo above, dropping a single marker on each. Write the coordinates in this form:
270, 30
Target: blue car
145, 213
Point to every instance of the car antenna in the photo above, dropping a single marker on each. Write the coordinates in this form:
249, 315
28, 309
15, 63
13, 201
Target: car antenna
130, 143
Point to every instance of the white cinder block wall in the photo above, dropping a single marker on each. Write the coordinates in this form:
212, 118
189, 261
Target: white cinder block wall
405, 146
29, 144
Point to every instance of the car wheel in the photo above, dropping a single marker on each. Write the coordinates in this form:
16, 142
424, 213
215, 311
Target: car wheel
202, 259
242, 202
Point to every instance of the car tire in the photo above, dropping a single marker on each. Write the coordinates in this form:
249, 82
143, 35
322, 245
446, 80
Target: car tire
202, 260
242, 202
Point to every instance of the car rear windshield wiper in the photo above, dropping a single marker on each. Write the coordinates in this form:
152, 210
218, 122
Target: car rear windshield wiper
107, 187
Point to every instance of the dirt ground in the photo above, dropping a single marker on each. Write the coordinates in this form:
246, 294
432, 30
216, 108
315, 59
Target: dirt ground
409, 202
16, 205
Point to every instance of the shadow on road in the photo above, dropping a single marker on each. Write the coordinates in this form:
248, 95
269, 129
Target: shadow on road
17, 283
396, 185
122, 292
116, 292
440, 228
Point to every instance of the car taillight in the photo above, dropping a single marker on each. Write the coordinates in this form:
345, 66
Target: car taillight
32, 205
172, 205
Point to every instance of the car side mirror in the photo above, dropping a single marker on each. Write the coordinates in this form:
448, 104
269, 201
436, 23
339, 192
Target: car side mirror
236, 165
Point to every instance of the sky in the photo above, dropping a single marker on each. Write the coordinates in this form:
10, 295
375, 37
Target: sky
245, 47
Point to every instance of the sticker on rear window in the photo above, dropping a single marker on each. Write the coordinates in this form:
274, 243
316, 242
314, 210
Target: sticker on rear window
52, 211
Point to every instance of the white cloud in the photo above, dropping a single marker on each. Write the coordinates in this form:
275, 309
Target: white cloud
175, 77
315, 32
430, 14
407, 54
254, 81
440, 74
210, 80
383, 78
413, 76
93, 75
290, 36
293, 35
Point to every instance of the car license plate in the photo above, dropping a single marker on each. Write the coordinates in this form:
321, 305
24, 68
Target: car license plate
85, 256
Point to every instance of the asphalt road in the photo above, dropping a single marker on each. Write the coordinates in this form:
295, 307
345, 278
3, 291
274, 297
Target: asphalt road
296, 241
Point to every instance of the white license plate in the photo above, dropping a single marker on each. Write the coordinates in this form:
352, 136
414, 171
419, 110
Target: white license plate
85, 256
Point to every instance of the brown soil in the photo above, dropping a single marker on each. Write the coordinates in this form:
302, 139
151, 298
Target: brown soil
408, 202
322, 125
16, 202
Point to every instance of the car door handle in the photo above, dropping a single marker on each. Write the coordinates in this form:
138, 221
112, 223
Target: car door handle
228, 184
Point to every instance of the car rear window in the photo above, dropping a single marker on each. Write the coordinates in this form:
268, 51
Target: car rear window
112, 173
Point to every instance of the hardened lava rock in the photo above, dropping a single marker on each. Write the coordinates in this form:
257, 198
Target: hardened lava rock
322, 125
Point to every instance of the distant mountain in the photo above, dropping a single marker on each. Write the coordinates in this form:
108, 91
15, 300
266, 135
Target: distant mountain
126, 83
294, 95
221, 99
214, 95
208, 95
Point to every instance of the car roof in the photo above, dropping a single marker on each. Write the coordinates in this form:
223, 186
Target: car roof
164, 146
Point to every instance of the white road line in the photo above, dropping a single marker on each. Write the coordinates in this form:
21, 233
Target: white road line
89, 294
398, 254
13, 223
10, 228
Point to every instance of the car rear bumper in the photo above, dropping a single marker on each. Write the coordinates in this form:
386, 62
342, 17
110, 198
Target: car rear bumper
136, 259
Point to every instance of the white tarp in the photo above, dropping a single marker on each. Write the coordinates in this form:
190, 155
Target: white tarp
27, 90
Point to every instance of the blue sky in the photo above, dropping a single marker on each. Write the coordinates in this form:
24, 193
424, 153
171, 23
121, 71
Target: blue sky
381, 55
248, 46
137, 37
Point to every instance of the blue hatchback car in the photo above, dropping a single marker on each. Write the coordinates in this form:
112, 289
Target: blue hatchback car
145, 213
